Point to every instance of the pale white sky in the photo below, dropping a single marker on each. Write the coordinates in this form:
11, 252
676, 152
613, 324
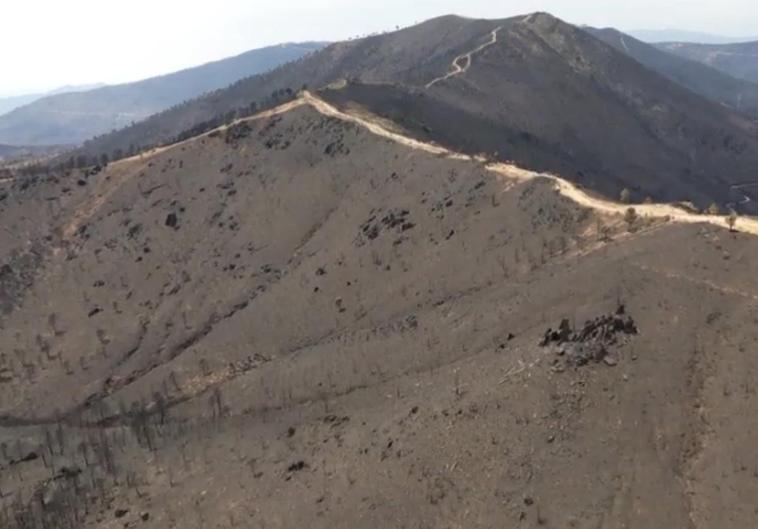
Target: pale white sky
48, 43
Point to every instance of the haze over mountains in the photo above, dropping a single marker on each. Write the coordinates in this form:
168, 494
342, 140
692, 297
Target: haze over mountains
353, 297
71, 118
679, 35
738, 60
9, 103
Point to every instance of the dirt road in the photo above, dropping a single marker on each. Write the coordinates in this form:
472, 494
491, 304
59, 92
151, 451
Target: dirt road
465, 59
566, 188
510, 173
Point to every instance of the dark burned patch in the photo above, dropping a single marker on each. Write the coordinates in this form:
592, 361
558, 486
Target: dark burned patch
29, 457
596, 341
172, 221
297, 466
277, 142
538, 199
337, 148
134, 231
237, 133
17, 275
395, 220
336, 421
270, 126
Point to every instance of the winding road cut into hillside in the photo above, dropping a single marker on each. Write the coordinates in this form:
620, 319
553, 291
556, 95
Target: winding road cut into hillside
745, 198
465, 59
564, 187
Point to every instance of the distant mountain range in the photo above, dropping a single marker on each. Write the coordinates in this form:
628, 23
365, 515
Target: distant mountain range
679, 35
12, 102
738, 60
71, 118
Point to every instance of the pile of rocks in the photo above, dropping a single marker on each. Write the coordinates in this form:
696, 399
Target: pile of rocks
592, 342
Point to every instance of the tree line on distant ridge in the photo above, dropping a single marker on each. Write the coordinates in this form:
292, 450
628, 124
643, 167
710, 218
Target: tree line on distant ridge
83, 161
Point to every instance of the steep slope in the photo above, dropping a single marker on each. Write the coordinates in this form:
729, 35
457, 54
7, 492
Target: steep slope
547, 92
71, 118
709, 82
739, 60
297, 322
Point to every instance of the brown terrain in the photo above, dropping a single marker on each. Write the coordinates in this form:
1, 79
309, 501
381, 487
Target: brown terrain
318, 317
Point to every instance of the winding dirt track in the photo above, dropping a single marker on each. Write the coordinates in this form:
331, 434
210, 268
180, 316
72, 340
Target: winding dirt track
466, 59
566, 188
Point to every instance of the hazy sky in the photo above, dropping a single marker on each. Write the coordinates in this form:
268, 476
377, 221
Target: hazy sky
48, 43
